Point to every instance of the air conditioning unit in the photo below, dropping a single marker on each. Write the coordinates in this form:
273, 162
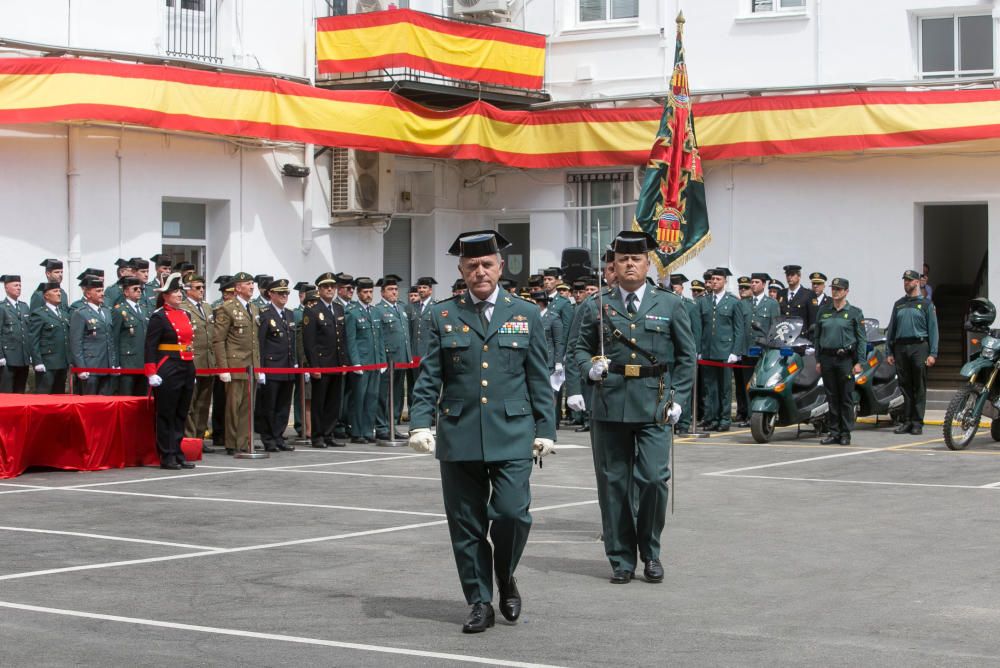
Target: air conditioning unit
361, 184
365, 6
463, 7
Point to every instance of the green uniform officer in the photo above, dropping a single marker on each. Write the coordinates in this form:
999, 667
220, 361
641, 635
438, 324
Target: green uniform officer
196, 423
722, 340
128, 329
162, 265
53, 274
396, 340
363, 329
49, 327
839, 337
762, 312
90, 342
485, 374
641, 382
741, 373
911, 343
677, 282
113, 294
15, 339
262, 300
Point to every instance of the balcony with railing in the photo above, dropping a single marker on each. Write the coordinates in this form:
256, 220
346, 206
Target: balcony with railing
192, 30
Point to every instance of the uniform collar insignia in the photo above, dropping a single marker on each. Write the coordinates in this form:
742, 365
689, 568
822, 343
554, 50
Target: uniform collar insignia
520, 317
444, 314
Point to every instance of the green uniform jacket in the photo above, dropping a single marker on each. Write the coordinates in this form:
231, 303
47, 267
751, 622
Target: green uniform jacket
395, 331
113, 296
15, 338
762, 316
913, 317
835, 329
491, 389
721, 327
660, 326
49, 338
419, 327
38, 301
746, 308
364, 336
298, 313
128, 330
204, 356
235, 336
574, 377
555, 341
91, 343
564, 308
694, 315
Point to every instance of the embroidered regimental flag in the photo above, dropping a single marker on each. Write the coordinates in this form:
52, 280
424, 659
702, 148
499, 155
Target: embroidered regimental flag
671, 204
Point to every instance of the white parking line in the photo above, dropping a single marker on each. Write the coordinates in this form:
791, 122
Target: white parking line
422, 477
795, 461
862, 482
106, 537
274, 637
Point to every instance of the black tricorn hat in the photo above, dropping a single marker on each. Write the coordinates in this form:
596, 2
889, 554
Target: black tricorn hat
459, 284
90, 271
478, 244
303, 286
343, 279
222, 280
551, 272
11, 278
719, 271
678, 279
140, 263
184, 266
426, 280
760, 276
91, 281
387, 280
792, 269
45, 287
129, 281
631, 243
161, 260
51, 263
540, 296
121, 263
363, 283
263, 279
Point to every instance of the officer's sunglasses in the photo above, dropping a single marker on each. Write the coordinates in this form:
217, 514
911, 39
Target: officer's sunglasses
197, 287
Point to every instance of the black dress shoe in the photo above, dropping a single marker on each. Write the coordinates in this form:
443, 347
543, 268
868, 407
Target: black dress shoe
621, 576
845, 440
582, 429
230, 451
185, 465
481, 618
173, 466
723, 427
743, 424
319, 444
711, 426
653, 572
510, 599
358, 439
285, 447
916, 429
336, 444
400, 436
681, 431
903, 428
831, 439
270, 448
382, 437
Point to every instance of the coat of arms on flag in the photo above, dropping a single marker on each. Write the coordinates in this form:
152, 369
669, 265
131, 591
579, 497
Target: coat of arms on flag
671, 204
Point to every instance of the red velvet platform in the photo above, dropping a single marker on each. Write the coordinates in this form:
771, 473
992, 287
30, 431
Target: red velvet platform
75, 433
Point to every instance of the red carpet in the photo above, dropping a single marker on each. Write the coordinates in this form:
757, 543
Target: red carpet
75, 433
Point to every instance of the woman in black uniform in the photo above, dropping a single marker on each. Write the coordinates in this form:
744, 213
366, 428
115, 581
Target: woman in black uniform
170, 371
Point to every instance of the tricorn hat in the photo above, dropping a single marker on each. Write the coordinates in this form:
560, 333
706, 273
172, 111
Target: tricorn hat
478, 244
632, 243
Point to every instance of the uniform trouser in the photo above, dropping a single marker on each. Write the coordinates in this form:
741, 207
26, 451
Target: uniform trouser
297, 406
741, 376
274, 402
238, 409
481, 496
911, 368
132, 386
51, 382
13, 379
197, 417
686, 417
718, 393
632, 456
382, 419
343, 423
364, 403
411, 381
327, 398
98, 385
219, 414
838, 382
173, 398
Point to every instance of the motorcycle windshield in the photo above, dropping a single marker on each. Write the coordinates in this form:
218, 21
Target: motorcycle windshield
784, 332
873, 332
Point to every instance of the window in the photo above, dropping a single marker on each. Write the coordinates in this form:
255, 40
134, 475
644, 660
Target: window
607, 10
956, 46
759, 6
396, 244
192, 29
613, 198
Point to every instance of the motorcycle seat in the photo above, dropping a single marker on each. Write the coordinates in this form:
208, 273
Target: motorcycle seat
807, 376
884, 373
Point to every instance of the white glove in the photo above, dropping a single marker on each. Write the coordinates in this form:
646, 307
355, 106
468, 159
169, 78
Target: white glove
559, 367
381, 371
732, 359
422, 440
261, 379
576, 403
83, 375
39, 368
542, 447
674, 414
225, 377
359, 372
155, 380
3, 362
307, 376
810, 350
699, 357
599, 370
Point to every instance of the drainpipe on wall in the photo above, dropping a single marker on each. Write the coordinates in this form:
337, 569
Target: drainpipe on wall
72, 206
307, 207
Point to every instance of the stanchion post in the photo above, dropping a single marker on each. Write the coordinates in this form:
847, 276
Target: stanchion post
694, 433
305, 417
391, 442
251, 393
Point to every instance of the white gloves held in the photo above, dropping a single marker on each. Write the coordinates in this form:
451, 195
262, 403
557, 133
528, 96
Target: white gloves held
732, 359
359, 372
542, 447
576, 403
3, 362
83, 375
39, 368
261, 379
155, 380
422, 440
226, 377
559, 367
674, 414
383, 370
599, 370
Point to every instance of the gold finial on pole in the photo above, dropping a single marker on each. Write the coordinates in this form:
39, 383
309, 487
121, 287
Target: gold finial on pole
680, 18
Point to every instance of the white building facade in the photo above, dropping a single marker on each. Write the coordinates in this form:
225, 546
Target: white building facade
90, 193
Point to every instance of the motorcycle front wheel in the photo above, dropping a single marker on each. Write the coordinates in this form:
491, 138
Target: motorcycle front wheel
961, 420
762, 426
995, 429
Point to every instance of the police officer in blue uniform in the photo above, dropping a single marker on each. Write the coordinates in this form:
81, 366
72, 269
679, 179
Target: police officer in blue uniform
485, 373
325, 345
277, 350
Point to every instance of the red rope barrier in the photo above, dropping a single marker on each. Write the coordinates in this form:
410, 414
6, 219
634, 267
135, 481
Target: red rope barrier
725, 364
265, 370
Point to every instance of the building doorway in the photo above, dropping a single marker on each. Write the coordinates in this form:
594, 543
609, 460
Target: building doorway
184, 233
396, 248
517, 259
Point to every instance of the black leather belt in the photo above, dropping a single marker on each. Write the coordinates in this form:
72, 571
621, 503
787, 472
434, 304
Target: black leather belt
637, 370
910, 339
836, 352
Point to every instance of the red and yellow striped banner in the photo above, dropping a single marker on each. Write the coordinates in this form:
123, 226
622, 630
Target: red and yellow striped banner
52, 90
406, 38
